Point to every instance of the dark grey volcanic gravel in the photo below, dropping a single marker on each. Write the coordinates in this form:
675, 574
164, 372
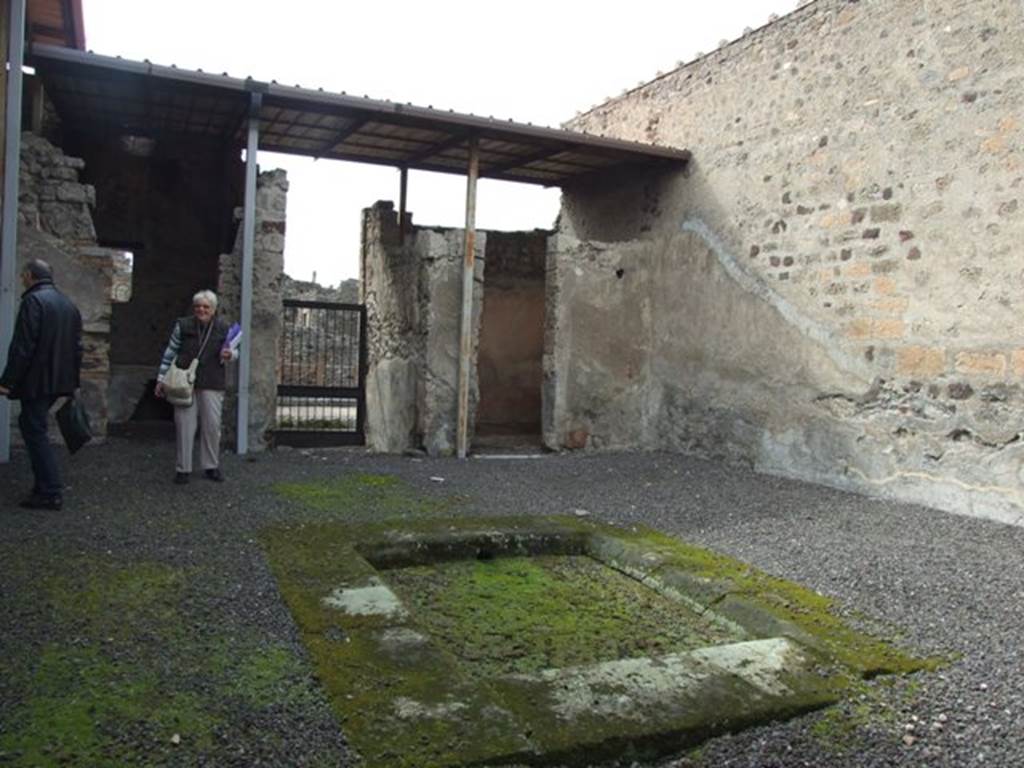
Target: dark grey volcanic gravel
943, 583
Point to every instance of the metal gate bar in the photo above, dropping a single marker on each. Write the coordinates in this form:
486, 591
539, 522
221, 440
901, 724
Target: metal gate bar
321, 391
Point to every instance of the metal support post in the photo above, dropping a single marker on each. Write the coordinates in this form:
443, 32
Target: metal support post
403, 187
248, 240
9, 237
466, 329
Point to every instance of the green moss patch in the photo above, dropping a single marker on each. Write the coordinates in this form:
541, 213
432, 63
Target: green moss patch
524, 614
452, 642
131, 676
365, 497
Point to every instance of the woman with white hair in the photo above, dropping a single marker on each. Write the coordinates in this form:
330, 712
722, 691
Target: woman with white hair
202, 336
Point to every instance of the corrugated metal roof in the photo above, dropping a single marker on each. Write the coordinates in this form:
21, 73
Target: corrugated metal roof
103, 93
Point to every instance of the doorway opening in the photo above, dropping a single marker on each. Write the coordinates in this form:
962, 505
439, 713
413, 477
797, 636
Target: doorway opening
511, 346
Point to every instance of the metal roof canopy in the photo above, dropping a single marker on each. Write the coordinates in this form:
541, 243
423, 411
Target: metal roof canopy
128, 98
143, 99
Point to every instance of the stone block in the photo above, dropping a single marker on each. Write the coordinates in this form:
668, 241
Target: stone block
981, 363
67, 222
920, 362
893, 305
888, 329
576, 439
884, 286
69, 192
859, 328
1017, 363
883, 213
61, 173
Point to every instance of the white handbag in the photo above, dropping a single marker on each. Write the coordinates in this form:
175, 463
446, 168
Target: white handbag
179, 383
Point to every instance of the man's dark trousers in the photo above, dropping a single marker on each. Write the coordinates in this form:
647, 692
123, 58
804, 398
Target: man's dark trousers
33, 423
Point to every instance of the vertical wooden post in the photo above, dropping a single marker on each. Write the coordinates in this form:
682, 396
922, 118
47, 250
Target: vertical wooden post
466, 329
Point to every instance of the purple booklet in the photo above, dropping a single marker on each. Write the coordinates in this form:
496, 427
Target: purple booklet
234, 337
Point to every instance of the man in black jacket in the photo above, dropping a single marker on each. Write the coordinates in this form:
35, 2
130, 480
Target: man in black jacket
43, 363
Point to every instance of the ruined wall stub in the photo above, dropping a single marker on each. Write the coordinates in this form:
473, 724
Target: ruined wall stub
413, 297
55, 224
267, 307
833, 289
395, 341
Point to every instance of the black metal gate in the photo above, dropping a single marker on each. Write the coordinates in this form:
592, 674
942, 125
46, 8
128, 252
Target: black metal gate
321, 374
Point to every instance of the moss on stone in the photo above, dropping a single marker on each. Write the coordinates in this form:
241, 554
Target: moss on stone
726, 579
421, 704
523, 614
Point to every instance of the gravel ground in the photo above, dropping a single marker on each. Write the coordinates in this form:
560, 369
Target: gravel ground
944, 584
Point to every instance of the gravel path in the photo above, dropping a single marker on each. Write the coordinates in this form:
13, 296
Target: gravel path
946, 584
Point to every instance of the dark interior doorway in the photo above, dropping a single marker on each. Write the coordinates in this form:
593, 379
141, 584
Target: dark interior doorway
511, 347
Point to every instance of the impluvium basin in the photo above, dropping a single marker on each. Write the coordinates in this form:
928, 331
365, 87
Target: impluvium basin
553, 640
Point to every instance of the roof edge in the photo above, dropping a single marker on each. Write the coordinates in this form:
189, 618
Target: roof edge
39, 53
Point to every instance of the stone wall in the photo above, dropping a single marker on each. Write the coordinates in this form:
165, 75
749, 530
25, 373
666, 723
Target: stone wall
832, 290
413, 297
267, 309
55, 225
395, 342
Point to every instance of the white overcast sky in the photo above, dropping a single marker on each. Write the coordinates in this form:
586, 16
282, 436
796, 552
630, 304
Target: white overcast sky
530, 60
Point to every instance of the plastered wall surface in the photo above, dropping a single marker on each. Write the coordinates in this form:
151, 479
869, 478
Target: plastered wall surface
832, 290
395, 341
413, 296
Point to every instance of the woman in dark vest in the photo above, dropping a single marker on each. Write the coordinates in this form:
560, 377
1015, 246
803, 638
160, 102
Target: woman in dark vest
202, 335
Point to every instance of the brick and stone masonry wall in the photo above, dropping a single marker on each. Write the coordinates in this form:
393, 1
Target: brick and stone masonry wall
267, 308
55, 224
833, 289
413, 297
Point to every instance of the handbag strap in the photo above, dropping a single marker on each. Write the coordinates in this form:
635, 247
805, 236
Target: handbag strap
206, 338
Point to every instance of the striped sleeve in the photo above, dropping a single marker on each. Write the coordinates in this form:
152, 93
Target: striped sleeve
173, 347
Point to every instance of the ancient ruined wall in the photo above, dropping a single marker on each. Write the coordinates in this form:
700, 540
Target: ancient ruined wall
267, 309
512, 333
413, 297
835, 284
55, 225
170, 202
597, 345
390, 285
440, 253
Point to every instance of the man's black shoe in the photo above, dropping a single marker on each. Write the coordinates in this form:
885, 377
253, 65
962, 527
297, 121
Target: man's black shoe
35, 501
214, 474
180, 478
